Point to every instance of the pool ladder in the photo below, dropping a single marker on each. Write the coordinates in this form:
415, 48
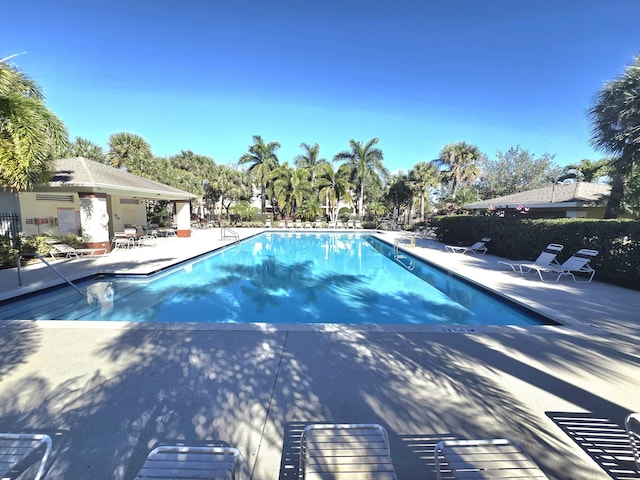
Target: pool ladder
402, 259
228, 233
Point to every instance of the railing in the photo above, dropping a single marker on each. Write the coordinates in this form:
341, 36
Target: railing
403, 260
227, 232
39, 257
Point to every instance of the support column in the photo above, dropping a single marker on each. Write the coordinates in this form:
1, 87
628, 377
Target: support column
94, 220
183, 217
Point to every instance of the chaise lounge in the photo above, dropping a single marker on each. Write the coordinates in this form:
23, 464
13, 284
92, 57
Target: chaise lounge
478, 247
69, 252
483, 459
19, 451
577, 263
545, 259
345, 452
191, 463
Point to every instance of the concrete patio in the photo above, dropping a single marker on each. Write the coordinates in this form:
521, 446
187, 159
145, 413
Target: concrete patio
108, 393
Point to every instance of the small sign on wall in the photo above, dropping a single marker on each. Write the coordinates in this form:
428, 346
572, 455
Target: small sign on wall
67, 220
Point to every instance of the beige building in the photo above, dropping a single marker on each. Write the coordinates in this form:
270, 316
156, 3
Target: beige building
93, 200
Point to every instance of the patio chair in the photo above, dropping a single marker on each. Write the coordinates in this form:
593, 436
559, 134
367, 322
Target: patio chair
318, 224
69, 252
350, 224
632, 424
282, 224
267, 223
345, 451
19, 451
483, 459
307, 224
577, 263
298, 223
190, 463
358, 224
478, 247
546, 258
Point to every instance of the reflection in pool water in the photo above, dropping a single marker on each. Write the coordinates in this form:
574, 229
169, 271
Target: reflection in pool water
283, 278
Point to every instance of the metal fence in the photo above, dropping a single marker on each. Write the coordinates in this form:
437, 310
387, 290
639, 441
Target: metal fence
10, 228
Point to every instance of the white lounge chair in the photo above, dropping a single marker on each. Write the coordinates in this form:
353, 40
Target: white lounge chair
345, 451
358, 224
478, 247
191, 463
350, 224
483, 459
632, 424
577, 263
298, 223
282, 224
546, 258
307, 224
318, 224
68, 251
18, 452
267, 223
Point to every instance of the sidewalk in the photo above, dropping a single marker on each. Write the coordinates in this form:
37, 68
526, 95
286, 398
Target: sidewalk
108, 393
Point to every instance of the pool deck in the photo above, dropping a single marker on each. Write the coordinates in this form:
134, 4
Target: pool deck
108, 392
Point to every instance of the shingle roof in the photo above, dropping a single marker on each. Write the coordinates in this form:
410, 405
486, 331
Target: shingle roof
81, 172
555, 195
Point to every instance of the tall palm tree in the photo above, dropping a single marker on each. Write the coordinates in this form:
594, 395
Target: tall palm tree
30, 134
423, 176
128, 150
365, 161
615, 118
310, 160
334, 187
262, 159
461, 164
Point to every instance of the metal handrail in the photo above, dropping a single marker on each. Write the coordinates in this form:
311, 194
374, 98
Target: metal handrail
38, 256
223, 234
396, 251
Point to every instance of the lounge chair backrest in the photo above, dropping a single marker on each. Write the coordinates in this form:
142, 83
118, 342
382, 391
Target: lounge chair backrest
63, 247
579, 259
480, 244
549, 254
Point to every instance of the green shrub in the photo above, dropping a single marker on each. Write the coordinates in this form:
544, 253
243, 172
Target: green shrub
618, 241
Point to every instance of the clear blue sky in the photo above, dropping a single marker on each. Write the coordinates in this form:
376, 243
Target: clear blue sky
206, 75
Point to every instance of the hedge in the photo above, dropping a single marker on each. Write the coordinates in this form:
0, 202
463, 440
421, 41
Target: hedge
618, 241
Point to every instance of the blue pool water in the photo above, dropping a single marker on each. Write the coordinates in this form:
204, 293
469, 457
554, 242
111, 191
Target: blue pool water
282, 278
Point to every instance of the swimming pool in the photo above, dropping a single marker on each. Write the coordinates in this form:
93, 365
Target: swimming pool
282, 278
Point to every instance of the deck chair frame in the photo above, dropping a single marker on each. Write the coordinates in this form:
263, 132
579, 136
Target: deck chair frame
178, 462
345, 451
483, 459
18, 450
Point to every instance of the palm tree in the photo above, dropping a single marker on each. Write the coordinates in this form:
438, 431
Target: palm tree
291, 187
310, 160
615, 120
423, 176
460, 162
366, 164
81, 147
30, 134
128, 150
334, 187
262, 159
